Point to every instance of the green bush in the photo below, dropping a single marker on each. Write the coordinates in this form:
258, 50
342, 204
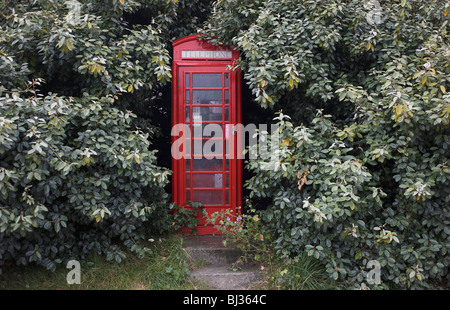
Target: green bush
328, 204
74, 178
245, 232
363, 163
187, 216
77, 170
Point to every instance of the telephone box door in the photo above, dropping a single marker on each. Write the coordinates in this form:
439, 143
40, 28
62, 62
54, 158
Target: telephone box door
207, 106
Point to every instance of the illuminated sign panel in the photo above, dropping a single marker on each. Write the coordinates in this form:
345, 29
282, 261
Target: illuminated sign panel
206, 54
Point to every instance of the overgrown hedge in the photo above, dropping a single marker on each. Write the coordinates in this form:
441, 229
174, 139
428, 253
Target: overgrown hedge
363, 172
77, 171
74, 178
331, 204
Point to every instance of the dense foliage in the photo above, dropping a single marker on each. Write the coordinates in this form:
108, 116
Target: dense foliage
78, 86
363, 171
74, 176
363, 158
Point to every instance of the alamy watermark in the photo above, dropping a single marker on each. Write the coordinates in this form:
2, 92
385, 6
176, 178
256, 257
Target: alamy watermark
73, 16
374, 275
213, 141
375, 14
74, 275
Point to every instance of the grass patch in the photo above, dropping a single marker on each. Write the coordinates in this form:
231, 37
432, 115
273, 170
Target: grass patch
305, 273
301, 273
165, 268
248, 233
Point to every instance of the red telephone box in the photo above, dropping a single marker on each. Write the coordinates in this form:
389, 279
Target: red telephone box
205, 107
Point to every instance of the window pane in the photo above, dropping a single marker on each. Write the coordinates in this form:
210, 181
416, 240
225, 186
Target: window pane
227, 147
200, 114
187, 144
226, 80
208, 197
188, 97
207, 97
207, 164
227, 197
227, 113
188, 180
206, 130
206, 79
207, 180
208, 147
188, 114
212, 130
197, 129
188, 195
187, 80
227, 99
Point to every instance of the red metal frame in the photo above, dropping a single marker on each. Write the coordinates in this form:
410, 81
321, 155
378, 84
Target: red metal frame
180, 68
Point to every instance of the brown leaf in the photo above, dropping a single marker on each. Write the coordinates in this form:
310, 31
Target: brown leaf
302, 178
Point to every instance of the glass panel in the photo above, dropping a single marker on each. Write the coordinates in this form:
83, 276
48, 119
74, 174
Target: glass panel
212, 130
207, 96
206, 79
227, 97
205, 130
188, 165
197, 129
188, 147
227, 131
226, 80
187, 132
209, 147
227, 113
227, 147
188, 195
200, 114
188, 114
188, 97
227, 197
187, 80
207, 164
227, 180
207, 180
198, 147
227, 165
188, 180
208, 197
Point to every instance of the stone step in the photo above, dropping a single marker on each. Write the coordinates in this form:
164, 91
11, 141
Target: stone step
221, 278
210, 250
216, 260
